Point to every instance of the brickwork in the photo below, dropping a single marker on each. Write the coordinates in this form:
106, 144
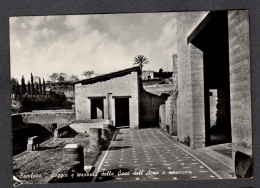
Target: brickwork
239, 58
48, 118
162, 116
121, 86
149, 109
198, 112
186, 23
134, 102
190, 103
117, 86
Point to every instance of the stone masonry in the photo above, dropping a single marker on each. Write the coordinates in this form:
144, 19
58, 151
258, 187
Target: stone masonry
240, 95
121, 86
190, 102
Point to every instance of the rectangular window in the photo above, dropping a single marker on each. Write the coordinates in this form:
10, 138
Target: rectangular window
97, 108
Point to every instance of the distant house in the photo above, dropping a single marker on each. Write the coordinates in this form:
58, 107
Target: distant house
117, 96
147, 75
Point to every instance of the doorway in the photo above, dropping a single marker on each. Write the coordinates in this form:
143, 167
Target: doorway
122, 112
212, 40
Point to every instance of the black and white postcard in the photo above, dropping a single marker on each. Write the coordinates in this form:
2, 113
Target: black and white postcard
131, 97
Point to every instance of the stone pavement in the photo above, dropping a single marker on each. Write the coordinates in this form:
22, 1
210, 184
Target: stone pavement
149, 154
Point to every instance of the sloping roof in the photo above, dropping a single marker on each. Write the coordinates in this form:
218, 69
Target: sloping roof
108, 76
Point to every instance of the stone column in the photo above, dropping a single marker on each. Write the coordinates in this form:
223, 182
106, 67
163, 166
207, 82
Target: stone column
134, 101
73, 156
94, 140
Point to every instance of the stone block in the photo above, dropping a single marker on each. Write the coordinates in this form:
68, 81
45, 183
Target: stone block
74, 153
94, 140
243, 165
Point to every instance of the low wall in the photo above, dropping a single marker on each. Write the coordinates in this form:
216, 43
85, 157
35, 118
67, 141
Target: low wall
149, 109
84, 127
162, 116
159, 89
47, 118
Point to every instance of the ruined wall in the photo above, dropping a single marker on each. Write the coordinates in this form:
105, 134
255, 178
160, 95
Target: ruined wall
162, 116
171, 115
127, 85
84, 127
159, 89
239, 57
47, 118
149, 109
187, 102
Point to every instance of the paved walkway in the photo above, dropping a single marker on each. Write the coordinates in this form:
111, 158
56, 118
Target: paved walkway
148, 154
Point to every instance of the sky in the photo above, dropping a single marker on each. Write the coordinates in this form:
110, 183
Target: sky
104, 43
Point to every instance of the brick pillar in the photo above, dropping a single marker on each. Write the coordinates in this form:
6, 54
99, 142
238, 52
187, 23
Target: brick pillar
240, 91
73, 153
134, 101
198, 105
109, 106
94, 140
162, 115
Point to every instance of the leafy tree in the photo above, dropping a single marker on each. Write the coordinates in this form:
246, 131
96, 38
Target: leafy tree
62, 77
88, 73
53, 77
23, 86
73, 78
32, 85
141, 60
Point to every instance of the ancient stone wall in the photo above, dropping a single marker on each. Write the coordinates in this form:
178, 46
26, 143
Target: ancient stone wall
162, 116
240, 91
46, 119
122, 86
171, 115
187, 54
149, 109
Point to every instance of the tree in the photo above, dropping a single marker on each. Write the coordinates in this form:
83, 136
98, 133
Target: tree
44, 87
53, 77
29, 87
62, 77
36, 89
17, 88
141, 60
13, 85
23, 86
73, 78
32, 85
161, 73
40, 85
88, 73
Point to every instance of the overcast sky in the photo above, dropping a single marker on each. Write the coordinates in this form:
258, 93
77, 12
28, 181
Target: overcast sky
103, 43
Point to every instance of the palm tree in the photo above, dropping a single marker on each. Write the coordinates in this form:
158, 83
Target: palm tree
88, 73
141, 60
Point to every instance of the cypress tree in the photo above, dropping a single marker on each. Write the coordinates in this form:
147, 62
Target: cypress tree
36, 89
29, 87
44, 88
32, 85
23, 86
16, 90
40, 86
